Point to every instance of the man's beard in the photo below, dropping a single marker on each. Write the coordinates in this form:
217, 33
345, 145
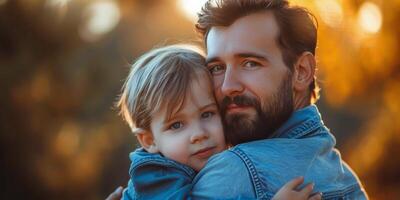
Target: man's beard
270, 115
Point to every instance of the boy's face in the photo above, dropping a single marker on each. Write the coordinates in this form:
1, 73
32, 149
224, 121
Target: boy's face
194, 133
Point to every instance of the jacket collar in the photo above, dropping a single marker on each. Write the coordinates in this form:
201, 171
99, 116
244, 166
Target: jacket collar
300, 123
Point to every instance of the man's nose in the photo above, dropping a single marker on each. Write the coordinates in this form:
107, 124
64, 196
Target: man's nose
199, 133
231, 85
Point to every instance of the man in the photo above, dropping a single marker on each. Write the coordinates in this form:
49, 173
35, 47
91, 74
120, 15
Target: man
261, 54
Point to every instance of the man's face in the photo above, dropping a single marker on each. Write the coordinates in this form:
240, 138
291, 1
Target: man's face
252, 84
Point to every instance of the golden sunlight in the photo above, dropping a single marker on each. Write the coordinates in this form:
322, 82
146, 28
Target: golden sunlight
331, 12
190, 8
370, 17
67, 142
100, 18
57, 3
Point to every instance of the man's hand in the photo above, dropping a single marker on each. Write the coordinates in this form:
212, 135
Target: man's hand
116, 195
288, 191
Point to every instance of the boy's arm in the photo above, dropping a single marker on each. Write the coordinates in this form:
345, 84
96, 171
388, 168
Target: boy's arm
291, 191
160, 178
116, 195
225, 176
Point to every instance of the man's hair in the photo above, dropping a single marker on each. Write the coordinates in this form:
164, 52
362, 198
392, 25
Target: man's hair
297, 26
160, 80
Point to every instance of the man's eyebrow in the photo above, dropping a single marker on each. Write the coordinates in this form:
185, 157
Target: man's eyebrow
239, 55
212, 59
251, 55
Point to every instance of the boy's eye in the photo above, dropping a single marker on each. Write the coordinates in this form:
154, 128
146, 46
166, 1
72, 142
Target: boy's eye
207, 114
216, 69
176, 125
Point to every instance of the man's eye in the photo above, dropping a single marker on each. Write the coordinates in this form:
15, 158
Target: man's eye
216, 69
206, 115
176, 125
251, 64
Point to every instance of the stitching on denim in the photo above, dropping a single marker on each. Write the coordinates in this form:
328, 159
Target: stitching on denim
341, 193
165, 162
305, 128
318, 131
253, 173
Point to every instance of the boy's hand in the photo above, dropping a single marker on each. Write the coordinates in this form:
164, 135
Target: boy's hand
288, 191
116, 195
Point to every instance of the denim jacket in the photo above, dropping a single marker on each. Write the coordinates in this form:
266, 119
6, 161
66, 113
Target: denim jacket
156, 177
303, 146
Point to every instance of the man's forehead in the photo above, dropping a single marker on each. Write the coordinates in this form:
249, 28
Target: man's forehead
215, 38
247, 32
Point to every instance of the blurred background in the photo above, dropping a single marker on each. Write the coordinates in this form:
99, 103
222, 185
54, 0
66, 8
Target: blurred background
63, 62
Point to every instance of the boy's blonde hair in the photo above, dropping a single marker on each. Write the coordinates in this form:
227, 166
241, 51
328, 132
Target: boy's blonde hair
160, 79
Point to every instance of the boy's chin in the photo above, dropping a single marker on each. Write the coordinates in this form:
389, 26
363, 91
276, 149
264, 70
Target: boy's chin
198, 166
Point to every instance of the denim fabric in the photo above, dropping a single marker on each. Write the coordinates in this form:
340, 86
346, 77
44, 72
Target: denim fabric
303, 146
156, 177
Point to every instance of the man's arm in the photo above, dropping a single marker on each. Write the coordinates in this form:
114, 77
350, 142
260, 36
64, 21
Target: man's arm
225, 176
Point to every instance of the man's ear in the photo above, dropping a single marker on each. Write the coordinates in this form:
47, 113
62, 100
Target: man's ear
146, 139
304, 72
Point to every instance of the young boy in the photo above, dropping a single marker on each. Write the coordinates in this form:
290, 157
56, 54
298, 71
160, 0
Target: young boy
168, 102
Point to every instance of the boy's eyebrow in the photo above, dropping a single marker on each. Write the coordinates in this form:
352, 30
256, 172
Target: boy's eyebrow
172, 118
212, 104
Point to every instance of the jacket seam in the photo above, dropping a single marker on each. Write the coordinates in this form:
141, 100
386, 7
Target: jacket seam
341, 193
305, 128
252, 170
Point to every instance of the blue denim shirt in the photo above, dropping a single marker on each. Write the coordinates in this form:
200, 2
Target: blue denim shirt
303, 146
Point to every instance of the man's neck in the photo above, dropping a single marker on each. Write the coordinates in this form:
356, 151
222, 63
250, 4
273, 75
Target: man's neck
301, 102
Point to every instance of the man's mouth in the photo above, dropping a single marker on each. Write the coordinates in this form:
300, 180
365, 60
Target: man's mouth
236, 108
204, 152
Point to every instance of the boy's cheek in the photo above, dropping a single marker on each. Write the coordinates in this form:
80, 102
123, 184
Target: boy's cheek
217, 131
175, 149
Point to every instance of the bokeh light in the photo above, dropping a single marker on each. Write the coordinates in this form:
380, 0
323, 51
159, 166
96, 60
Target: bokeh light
100, 18
370, 17
190, 8
63, 63
3, 2
331, 12
57, 3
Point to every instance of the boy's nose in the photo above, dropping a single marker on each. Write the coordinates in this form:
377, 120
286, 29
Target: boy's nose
199, 133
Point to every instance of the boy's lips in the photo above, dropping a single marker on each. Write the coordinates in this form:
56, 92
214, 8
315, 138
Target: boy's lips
204, 152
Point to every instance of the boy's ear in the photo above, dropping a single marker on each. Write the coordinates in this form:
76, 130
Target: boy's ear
304, 71
146, 139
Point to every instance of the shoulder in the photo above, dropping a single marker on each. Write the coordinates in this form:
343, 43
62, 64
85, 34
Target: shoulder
154, 176
224, 176
144, 162
227, 159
